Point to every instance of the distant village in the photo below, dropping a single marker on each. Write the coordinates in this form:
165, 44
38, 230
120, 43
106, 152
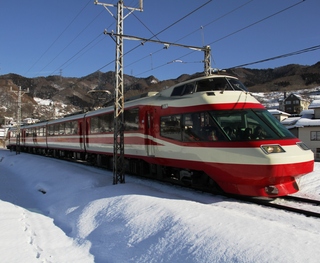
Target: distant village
301, 117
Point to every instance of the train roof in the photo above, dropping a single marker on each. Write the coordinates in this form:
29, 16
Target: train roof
172, 93
179, 91
174, 90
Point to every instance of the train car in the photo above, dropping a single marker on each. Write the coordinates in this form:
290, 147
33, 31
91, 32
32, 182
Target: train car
32, 138
11, 138
65, 137
208, 133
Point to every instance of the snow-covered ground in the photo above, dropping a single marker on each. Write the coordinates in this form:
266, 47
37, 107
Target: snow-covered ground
57, 211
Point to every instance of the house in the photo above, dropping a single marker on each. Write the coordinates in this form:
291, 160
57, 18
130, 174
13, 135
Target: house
278, 114
307, 127
293, 104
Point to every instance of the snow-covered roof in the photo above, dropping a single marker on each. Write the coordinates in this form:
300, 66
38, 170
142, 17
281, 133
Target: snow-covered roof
278, 112
309, 114
298, 122
290, 121
296, 95
314, 104
303, 122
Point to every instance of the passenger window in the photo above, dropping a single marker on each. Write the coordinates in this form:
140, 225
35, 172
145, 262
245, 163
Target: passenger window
170, 127
192, 127
131, 119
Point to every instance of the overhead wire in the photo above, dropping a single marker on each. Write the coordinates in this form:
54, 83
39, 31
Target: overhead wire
298, 52
237, 31
155, 36
88, 44
215, 20
257, 22
58, 37
71, 41
166, 28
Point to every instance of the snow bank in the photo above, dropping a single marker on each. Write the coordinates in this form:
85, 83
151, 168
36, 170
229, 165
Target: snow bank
57, 211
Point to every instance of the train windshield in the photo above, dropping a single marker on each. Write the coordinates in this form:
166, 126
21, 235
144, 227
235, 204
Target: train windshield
249, 124
209, 84
221, 83
227, 125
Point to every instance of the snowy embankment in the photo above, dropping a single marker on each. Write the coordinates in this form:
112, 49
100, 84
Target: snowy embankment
57, 211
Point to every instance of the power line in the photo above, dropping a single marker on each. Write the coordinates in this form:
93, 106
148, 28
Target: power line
58, 37
77, 53
72, 41
237, 31
176, 22
215, 20
84, 52
298, 52
155, 35
257, 22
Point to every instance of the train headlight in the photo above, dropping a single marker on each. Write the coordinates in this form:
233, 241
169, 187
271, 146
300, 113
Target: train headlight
275, 148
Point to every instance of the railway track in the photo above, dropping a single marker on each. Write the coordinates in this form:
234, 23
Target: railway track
299, 205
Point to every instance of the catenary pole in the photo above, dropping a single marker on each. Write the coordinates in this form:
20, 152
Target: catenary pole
19, 94
118, 142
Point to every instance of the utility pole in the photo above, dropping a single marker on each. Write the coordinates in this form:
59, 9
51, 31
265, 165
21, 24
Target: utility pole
19, 93
118, 142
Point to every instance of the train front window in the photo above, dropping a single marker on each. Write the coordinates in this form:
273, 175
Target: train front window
237, 84
272, 122
221, 83
213, 84
250, 125
227, 125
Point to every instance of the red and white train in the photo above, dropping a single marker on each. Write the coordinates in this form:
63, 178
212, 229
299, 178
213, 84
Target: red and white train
208, 132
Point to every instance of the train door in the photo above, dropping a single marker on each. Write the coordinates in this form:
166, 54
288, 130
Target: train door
81, 125
149, 133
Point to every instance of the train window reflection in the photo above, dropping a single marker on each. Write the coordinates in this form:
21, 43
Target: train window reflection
230, 125
101, 123
236, 84
131, 119
171, 127
213, 84
250, 125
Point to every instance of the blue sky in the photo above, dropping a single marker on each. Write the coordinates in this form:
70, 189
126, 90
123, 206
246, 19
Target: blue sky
41, 37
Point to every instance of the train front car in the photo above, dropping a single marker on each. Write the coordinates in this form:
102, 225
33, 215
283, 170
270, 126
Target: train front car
214, 125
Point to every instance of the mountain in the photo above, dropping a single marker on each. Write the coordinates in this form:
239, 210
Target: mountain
64, 95
287, 78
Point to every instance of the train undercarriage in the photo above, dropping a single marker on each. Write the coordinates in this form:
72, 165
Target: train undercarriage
138, 167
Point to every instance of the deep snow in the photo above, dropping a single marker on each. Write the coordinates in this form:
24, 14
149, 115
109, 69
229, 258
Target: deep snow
58, 211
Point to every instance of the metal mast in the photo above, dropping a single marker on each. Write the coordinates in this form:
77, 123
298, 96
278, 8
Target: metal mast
207, 60
118, 142
19, 93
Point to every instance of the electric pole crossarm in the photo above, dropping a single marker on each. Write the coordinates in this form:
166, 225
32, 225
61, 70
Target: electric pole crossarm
205, 49
166, 43
132, 9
